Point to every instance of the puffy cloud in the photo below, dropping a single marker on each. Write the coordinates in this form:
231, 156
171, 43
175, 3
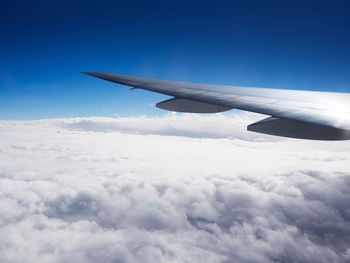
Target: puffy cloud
128, 190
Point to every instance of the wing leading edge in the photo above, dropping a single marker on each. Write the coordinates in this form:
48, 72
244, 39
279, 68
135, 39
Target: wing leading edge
296, 113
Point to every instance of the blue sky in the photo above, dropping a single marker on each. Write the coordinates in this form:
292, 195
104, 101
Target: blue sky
271, 44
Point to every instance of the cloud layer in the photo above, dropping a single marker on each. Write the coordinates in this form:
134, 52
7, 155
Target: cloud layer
188, 125
128, 190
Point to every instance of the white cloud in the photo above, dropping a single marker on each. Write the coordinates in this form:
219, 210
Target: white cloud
127, 190
189, 125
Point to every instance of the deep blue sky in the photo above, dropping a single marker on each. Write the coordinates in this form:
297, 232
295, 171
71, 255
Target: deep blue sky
271, 44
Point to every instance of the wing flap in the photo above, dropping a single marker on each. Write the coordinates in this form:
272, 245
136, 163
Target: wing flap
190, 106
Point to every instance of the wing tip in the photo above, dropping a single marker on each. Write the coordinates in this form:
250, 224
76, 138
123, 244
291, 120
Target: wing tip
91, 73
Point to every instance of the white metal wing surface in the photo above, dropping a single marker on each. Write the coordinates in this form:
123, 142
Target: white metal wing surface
294, 113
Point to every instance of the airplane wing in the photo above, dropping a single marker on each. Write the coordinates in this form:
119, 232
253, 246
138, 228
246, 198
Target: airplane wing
293, 113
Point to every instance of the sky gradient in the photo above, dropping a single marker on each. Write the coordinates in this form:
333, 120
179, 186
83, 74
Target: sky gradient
270, 44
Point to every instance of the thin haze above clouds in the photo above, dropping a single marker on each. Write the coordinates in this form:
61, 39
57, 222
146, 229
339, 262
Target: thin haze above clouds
177, 188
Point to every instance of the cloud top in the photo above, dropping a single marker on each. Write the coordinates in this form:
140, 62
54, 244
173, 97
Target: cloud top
187, 125
129, 190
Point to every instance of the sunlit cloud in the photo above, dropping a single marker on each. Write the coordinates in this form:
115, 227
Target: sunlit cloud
177, 188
